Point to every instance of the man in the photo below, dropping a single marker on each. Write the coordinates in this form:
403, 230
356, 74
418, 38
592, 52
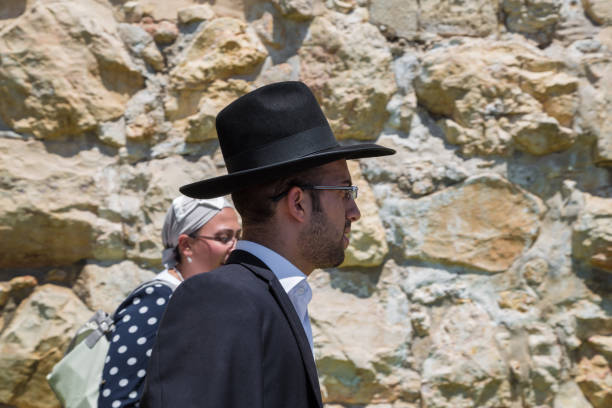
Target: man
240, 336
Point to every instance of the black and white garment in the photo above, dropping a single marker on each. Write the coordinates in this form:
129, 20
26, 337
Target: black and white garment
136, 321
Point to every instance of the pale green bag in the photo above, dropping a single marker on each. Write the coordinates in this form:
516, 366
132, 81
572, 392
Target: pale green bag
76, 378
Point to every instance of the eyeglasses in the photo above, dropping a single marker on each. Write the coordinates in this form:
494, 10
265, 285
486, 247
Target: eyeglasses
224, 238
351, 191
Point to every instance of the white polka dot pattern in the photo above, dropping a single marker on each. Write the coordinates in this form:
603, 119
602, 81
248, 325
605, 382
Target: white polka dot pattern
135, 326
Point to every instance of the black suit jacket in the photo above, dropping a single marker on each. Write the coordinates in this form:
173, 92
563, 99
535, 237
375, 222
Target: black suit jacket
230, 338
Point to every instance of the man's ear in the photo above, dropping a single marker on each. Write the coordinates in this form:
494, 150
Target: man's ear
296, 205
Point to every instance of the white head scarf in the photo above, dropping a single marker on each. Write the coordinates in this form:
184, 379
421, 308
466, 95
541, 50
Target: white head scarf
185, 216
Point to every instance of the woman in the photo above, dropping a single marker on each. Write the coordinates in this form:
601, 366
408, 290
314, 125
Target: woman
198, 236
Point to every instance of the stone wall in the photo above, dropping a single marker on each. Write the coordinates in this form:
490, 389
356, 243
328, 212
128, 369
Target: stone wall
481, 272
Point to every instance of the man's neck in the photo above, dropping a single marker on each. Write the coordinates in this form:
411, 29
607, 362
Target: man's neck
282, 246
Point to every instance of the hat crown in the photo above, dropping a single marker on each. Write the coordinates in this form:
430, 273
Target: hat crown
266, 117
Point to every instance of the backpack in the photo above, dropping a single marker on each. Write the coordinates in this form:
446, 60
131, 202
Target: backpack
76, 378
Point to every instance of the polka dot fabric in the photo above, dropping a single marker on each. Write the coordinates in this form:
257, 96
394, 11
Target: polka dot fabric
136, 322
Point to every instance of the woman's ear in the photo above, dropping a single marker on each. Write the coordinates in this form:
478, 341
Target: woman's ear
184, 246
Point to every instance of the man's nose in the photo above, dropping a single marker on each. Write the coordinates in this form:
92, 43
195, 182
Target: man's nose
353, 212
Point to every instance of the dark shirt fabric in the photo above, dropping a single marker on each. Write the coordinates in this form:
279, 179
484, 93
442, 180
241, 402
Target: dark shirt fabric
136, 322
231, 338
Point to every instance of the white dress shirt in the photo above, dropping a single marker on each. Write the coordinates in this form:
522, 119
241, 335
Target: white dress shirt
291, 279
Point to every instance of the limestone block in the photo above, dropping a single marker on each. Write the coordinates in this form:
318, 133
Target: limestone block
196, 13
17, 288
599, 11
498, 95
112, 133
410, 19
201, 125
265, 28
163, 32
156, 9
360, 343
592, 236
102, 287
296, 9
603, 124
485, 222
595, 379
473, 18
55, 201
81, 74
465, 364
347, 64
34, 341
535, 271
570, 395
398, 16
590, 319
223, 48
154, 57
535, 19
368, 245
545, 365
602, 344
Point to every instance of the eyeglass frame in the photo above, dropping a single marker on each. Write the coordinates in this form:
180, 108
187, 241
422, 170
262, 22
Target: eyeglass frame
234, 237
354, 190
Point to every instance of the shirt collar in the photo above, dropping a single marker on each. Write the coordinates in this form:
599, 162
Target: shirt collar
165, 275
288, 274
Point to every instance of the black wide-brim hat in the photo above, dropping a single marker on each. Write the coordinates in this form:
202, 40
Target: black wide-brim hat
272, 132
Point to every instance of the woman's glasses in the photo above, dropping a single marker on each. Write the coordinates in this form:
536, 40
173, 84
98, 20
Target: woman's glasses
224, 237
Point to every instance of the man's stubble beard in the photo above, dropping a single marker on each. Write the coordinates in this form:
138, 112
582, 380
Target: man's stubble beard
319, 245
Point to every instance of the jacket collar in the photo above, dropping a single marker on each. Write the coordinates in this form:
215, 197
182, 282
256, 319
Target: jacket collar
256, 266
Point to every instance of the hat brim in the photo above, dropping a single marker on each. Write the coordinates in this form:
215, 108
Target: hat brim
229, 183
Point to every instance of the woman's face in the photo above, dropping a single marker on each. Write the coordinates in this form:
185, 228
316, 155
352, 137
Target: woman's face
214, 241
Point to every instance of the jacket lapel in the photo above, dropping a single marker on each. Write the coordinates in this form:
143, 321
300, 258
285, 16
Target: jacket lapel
256, 266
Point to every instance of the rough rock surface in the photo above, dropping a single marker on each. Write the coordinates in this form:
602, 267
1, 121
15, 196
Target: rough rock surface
599, 11
348, 69
537, 20
105, 288
81, 75
592, 237
37, 337
479, 274
508, 96
485, 223
413, 20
